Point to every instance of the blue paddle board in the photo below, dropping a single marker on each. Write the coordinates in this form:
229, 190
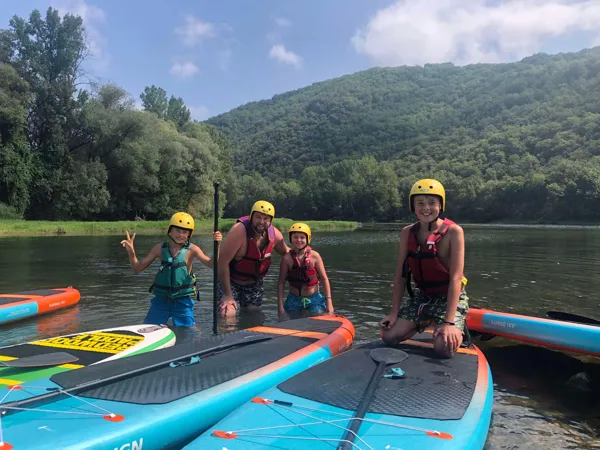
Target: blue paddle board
165, 398
421, 402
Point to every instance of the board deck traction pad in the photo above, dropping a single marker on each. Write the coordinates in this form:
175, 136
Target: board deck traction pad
302, 333
271, 351
6, 299
433, 389
417, 395
166, 385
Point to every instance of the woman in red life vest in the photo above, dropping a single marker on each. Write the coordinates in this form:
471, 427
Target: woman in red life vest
304, 270
432, 251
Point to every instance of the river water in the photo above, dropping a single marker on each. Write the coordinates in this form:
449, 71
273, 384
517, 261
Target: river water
521, 269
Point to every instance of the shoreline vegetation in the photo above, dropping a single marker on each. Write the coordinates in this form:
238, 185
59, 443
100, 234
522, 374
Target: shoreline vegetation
9, 227
80, 228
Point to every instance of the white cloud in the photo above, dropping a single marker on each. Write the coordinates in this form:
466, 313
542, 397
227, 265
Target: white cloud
193, 30
184, 69
92, 17
280, 53
282, 22
470, 31
199, 112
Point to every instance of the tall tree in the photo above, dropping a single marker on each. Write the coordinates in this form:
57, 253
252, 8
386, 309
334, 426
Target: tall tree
48, 53
15, 155
177, 112
154, 99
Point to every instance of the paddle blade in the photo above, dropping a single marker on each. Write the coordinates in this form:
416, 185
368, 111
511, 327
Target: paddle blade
388, 355
568, 317
44, 360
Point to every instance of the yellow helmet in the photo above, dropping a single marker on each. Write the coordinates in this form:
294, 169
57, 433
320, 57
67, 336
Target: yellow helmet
300, 228
264, 207
182, 220
427, 186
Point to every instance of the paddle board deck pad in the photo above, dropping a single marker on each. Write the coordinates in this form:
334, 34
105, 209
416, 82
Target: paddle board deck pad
34, 303
561, 335
168, 397
421, 402
88, 348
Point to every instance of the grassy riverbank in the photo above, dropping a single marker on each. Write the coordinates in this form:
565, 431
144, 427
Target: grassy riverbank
58, 228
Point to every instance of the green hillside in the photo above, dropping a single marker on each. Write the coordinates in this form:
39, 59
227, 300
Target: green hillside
516, 141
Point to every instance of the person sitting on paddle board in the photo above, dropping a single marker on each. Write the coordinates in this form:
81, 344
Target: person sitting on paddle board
302, 267
432, 251
245, 259
174, 286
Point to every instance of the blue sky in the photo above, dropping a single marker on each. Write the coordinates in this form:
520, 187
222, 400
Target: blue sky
220, 54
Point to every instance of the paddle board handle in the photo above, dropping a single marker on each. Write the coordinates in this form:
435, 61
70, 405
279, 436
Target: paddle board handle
362, 409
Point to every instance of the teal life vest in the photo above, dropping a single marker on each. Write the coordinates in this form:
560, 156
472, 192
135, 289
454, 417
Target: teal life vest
173, 279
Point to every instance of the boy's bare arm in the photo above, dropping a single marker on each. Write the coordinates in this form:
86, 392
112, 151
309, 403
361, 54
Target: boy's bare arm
283, 273
138, 266
280, 245
456, 269
399, 283
399, 279
323, 278
198, 254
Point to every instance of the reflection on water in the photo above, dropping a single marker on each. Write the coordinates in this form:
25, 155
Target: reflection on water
526, 270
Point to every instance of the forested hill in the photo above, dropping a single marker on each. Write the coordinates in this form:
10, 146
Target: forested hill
510, 141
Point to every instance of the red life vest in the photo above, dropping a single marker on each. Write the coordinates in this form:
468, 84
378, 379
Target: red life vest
255, 263
303, 274
430, 275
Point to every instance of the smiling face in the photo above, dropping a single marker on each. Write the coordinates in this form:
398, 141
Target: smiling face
179, 235
427, 207
260, 222
298, 241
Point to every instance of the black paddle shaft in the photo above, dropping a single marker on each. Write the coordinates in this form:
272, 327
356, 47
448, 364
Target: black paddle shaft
568, 317
215, 257
383, 356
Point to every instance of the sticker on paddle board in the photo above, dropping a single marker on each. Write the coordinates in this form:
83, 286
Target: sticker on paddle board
102, 342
